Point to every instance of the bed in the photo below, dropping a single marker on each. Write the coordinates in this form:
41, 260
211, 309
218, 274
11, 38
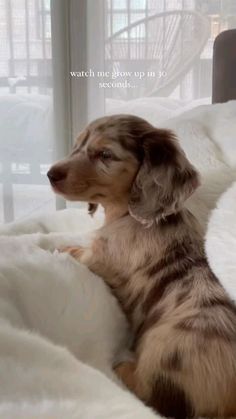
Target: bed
63, 367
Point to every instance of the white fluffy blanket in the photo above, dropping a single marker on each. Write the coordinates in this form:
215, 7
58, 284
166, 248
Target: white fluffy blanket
221, 240
60, 328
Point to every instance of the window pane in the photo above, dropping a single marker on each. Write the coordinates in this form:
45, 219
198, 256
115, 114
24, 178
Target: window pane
120, 21
138, 4
26, 111
119, 4
47, 4
173, 4
136, 16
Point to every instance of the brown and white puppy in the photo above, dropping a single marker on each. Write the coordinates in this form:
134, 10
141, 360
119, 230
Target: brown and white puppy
151, 253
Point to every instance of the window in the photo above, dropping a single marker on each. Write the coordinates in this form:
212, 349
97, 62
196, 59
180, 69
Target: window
124, 12
119, 4
26, 110
138, 4
44, 19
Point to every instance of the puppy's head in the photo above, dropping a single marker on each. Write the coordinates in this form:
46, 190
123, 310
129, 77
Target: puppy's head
124, 159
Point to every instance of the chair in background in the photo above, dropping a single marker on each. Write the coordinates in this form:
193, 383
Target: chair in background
167, 43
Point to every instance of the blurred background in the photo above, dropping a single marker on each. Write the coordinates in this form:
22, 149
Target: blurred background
43, 105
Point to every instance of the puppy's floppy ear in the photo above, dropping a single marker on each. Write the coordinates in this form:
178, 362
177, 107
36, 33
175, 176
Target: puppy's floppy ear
165, 179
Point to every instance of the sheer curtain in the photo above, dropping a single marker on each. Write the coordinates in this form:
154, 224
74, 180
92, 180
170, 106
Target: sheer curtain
35, 111
26, 110
64, 63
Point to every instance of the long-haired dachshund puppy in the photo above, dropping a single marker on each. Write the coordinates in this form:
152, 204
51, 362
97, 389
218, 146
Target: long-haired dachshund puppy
150, 251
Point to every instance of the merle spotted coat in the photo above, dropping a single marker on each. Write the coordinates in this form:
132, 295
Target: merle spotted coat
150, 251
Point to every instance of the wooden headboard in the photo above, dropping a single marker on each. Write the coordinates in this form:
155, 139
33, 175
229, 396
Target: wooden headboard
224, 67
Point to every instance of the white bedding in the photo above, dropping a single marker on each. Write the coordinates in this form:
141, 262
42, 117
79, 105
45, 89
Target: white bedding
71, 315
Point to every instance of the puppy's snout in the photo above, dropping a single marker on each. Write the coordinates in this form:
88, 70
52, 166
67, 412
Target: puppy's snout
56, 175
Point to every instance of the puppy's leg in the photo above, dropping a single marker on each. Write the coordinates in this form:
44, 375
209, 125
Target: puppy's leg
126, 373
75, 251
95, 257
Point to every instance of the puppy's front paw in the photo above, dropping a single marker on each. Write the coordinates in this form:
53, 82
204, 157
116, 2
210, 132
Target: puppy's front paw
75, 252
126, 373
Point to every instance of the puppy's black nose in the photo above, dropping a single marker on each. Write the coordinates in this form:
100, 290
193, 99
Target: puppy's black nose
56, 175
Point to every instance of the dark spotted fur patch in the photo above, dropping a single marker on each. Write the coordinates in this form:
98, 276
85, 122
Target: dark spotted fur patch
130, 304
207, 327
170, 400
172, 220
183, 294
178, 252
172, 361
160, 146
148, 323
214, 301
158, 290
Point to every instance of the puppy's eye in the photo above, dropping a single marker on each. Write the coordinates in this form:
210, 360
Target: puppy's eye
105, 155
